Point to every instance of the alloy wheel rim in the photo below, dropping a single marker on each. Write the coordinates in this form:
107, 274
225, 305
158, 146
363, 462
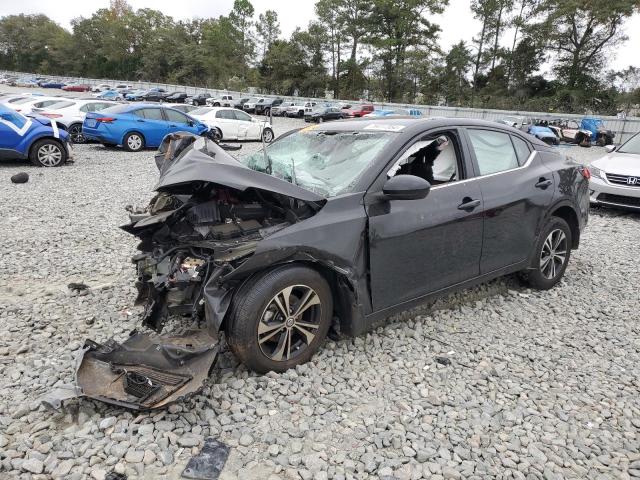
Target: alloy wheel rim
49, 155
134, 142
553, 254
76, 134
268, 135
289, 323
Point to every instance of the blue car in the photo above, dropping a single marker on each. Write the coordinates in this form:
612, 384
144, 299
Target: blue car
137, 126
412, 112
52, 84
544, 133
34, 138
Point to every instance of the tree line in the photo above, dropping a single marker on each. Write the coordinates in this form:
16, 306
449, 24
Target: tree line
542, 55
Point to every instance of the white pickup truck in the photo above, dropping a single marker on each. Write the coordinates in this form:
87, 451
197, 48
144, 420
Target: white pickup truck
222, 101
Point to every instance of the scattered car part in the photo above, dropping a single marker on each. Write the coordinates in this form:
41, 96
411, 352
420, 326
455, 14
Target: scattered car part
209, 462
22, 177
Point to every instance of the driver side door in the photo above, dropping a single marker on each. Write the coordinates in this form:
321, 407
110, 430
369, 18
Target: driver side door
417, 247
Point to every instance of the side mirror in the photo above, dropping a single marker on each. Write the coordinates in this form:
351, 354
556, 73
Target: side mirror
406, 187
610, 148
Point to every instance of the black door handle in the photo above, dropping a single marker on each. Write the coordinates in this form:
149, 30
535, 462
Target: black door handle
543, 183
141, 120
468, 204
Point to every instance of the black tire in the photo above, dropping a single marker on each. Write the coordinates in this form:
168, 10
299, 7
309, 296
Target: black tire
266, 112
267, 135
301, 113
216, 133
133, 142
601, 141
583, 141
75, 132
254, 306
216, 104
538, 275
48, 152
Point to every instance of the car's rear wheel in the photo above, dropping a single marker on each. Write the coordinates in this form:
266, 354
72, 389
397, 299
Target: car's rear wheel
267, 135
133, 142
48, 153
75, 132
280, 319
551, 256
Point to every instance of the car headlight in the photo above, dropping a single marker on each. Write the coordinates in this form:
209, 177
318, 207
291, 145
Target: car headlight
596, 172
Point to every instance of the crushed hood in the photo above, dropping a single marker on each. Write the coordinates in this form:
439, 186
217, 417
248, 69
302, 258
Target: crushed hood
204, 161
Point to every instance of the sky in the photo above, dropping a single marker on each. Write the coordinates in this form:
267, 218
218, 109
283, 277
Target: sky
456, 22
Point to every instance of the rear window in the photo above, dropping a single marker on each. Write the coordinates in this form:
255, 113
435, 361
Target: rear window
201, 111
118, 109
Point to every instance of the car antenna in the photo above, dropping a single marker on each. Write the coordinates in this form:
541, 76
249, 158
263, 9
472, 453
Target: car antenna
267, 159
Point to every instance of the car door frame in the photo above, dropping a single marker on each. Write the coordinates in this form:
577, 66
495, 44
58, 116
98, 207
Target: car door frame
490, 212
372, 200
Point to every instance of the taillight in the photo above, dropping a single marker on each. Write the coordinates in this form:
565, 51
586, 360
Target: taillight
50, 115
586, 173
105, 119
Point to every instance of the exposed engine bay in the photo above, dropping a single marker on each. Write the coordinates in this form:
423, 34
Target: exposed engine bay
206, 220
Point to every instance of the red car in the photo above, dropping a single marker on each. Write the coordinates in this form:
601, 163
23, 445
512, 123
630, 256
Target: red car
76, 87
359, 111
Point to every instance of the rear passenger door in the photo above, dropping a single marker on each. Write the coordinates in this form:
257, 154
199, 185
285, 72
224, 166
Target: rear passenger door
152, 124
517, 189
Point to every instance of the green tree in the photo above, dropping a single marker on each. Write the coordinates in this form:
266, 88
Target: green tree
268, 28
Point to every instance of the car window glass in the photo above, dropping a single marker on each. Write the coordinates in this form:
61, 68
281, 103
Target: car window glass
494, 151
152, 113
433, 158
86, 108
238, 115
225, 114
177, 117
522, 150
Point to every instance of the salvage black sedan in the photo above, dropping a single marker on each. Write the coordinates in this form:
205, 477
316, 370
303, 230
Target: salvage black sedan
340, 224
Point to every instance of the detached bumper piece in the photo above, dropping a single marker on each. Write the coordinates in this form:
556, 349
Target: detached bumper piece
147, 371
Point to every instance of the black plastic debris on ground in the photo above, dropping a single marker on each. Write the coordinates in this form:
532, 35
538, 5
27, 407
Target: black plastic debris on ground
21, 177
443, 360
78, 287
208, 464
115, 476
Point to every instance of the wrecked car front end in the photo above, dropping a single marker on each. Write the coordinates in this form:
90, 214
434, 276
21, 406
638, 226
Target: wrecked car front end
208, 217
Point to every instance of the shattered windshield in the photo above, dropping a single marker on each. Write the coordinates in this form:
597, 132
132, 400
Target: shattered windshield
325, 162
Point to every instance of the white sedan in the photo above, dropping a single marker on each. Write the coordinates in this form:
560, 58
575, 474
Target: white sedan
615, 178
28, 105
234, 124
69, 114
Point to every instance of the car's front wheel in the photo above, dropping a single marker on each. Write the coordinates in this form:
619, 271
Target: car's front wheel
551, 256
48, 153
133, 142
267, 135
280, 319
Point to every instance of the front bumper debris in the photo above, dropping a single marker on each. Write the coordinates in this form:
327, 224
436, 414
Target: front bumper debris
146, 371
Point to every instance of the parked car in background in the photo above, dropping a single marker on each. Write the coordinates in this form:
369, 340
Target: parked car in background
101, 88
615, 178
25, 105
34, 138
53, 84
264, 108
299, 109
110, 95
70, 114
184, 107
137, 126
76, 87
324, 114
122, 87
250, 106
199, 99
281, 110
519, 122
221, 101
544, 133
398, 112
154, 95
570, 131
599, 133
359, 110
176, 97
234, 124
240, 103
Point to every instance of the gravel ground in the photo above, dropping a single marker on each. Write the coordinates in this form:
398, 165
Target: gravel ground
495, 382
